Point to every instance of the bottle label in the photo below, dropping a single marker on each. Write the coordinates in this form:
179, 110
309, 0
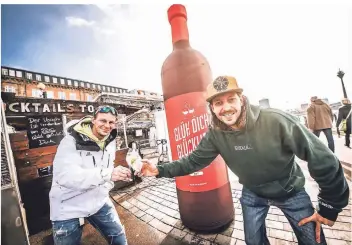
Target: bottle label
187, 119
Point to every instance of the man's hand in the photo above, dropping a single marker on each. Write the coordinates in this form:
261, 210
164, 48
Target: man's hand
318, 219
121, 173
148, 169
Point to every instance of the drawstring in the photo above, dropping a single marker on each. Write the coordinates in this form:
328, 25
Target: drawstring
108, 160
94, 161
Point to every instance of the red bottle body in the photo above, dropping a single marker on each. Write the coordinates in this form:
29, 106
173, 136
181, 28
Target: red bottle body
205, 199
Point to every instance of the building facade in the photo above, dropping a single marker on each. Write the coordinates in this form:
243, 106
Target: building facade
24, 83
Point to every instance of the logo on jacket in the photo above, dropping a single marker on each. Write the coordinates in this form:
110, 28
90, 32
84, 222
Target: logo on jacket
243, 147
88, 154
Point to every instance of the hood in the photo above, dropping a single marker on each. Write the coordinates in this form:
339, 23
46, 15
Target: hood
82, 132
252, 114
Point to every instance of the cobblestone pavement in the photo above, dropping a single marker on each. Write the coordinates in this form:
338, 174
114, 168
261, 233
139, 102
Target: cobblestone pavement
154, 201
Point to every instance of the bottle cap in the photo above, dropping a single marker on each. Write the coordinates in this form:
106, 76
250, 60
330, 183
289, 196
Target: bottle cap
176, 10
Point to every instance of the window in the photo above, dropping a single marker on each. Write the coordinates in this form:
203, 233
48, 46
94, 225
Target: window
50, 94
36, 93
103, 88
72, 96
54, 80
9, 88
29, 76
12, 73
89, 97
76, 83
62, 95
62, 81
99, 87
93, 86
69, 82
18, 74
108, 89
47, 79
4, 72
38, 77
88, 85
82, 84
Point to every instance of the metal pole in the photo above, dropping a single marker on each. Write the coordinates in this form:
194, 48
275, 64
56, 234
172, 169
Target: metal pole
124, 129
343, 89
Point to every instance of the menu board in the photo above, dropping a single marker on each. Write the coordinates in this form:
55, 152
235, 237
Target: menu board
44, 130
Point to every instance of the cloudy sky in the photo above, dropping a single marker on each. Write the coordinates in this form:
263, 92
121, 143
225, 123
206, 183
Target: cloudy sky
286, 52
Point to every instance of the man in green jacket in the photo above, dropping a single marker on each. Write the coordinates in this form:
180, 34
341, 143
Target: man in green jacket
259, 146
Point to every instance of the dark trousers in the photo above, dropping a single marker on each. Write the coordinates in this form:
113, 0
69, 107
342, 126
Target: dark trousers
328, 135
347, 139
295, 208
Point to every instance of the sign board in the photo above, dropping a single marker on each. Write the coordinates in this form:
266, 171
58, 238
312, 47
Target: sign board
44, 130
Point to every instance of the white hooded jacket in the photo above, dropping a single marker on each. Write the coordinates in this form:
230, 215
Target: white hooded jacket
81, 175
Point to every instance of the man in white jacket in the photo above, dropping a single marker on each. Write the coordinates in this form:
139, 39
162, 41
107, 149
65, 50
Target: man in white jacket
83, 176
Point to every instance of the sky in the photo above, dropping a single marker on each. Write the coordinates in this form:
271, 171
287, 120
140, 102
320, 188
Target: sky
284, 52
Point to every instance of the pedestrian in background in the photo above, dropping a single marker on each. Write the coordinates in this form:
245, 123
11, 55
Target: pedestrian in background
344, 119
320, 118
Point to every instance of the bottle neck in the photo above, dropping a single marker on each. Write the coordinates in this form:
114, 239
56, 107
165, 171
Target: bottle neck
179, 30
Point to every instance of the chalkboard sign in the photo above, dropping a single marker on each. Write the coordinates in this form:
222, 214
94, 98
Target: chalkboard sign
44, 130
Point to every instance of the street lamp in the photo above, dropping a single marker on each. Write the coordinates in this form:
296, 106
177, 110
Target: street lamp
340, 74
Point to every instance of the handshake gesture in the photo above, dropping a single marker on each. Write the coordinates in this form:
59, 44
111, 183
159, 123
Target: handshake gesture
122, 173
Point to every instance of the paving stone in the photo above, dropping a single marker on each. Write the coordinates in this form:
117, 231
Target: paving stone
239, 234
186, 229
139, 214
146, 218
142, 206
287, 227
158, 215
209, 237
174, 206
274, 224
169, 220
345, 219
273, 217
179, 225
133, 201
239, 225
346, 213
133, 210
191, 239
166, 203
339, 226
167, 210
282, 218
284, 235
239, 217
224, 240
275, 241
126, 205
160, 226
227, 232
336, 234
150, 211
336, 242
177, 233
238, 211
241, 242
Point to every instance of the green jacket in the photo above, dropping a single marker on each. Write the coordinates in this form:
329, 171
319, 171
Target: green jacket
263, 158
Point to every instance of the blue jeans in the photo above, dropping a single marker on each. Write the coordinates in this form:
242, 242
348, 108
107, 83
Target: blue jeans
328, 135
295, 208
106, 221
